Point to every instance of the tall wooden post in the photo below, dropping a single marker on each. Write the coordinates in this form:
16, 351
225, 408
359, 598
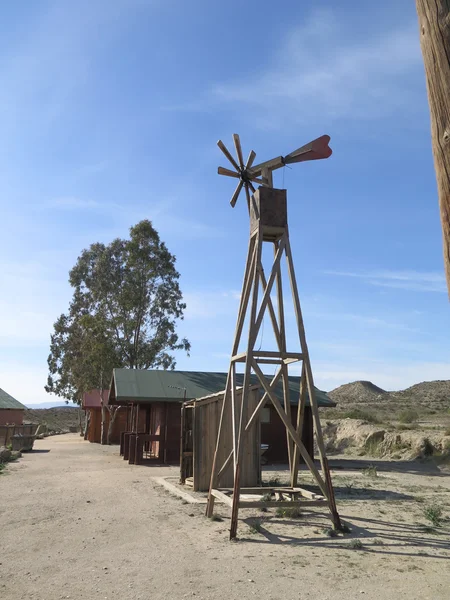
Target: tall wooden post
434, 27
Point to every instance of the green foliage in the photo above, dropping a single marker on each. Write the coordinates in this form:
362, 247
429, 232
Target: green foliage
289, 513
433, 513
124, 311
408, 416
2, 467
266, 497
355, 544
329, 532
428, 448
370, 471
255, 526
372, 446
363, 415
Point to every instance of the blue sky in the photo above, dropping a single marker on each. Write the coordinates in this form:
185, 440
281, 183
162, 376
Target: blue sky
110, 113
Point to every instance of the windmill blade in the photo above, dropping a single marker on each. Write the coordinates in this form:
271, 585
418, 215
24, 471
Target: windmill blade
247, 193
251, 186
227, 172
250, 159
315, 150
237, 191
228, 155
237, 145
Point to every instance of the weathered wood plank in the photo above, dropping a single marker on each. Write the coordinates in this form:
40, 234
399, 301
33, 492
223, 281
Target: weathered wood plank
281, 503
434, 26
223, 497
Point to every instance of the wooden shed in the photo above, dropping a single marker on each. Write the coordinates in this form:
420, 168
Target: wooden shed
199, 427
92, 406
153, 400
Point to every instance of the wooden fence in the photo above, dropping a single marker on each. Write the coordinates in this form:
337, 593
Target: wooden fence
7, 431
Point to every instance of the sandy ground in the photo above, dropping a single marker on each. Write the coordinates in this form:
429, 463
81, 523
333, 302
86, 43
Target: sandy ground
76, 521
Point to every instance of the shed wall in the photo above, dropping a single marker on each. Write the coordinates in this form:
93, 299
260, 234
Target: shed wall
95, 425
11, 416
205, 429
274, 434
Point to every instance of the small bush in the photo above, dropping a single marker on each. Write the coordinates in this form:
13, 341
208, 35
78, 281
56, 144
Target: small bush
428, 448
329, 532
363, 415
2, 467
256, 526
408, 416
433, 513
373, 447
266, 497
215, 518
288, 512
371, 471
378, 542
355, 544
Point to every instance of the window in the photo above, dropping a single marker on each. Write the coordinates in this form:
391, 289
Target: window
265, 415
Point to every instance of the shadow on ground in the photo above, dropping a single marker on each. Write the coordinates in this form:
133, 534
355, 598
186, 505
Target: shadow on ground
367, 535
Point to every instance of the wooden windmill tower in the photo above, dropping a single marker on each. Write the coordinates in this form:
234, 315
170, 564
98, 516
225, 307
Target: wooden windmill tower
268, 225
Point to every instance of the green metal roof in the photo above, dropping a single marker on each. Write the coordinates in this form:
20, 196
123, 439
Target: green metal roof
133, 385
7, 401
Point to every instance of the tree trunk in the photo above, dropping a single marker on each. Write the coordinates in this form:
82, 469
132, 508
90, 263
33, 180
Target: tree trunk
80, 411
434, 26
113, 410
104, 432
87, 422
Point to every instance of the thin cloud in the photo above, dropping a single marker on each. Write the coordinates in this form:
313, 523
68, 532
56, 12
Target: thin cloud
404, 280
72, 202
319, 69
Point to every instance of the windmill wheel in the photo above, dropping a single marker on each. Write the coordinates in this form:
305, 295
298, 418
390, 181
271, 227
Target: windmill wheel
241, 172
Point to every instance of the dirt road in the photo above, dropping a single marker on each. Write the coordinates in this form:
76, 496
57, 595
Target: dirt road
78, 522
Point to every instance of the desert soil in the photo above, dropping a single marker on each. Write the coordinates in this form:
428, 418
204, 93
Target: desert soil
76, 521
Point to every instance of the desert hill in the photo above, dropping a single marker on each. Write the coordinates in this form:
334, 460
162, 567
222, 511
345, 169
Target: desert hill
426, 397
357, 392
61, 419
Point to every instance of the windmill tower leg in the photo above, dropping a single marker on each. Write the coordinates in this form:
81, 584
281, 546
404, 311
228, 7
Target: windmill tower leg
284, 368
238, 420
310, 386
229, 396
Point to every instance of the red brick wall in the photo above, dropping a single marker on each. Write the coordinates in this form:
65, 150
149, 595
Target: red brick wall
10, 416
